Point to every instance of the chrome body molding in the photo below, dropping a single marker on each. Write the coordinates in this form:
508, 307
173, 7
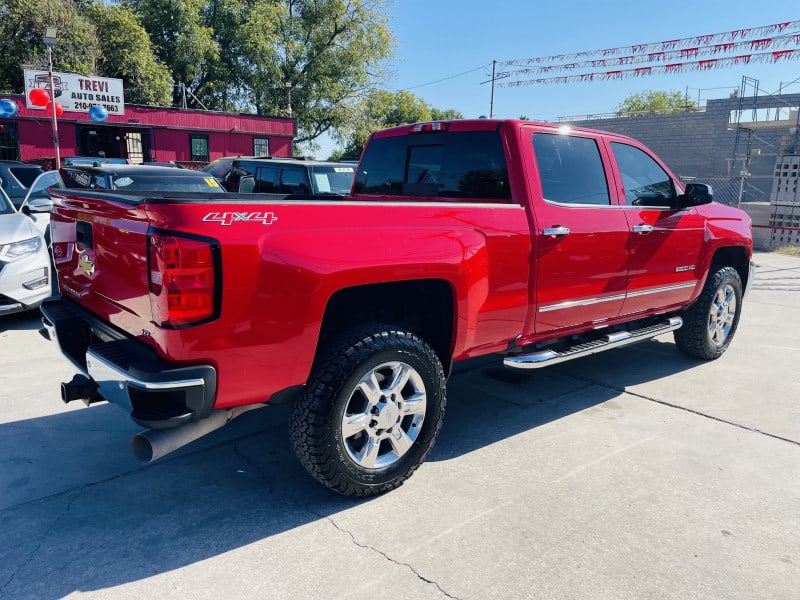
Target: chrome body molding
598, 300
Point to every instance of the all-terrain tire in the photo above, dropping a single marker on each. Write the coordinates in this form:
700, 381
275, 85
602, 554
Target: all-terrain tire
710, 323
371, 411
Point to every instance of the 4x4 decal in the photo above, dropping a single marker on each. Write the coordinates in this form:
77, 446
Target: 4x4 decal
228, 218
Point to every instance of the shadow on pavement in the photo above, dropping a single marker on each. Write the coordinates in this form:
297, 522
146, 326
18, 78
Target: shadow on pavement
79, 514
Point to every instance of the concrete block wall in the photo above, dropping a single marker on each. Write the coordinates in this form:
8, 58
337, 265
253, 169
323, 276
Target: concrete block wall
699, 144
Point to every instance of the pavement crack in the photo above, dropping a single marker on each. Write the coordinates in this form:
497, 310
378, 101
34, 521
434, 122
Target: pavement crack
416, 573
689, 410
36, 548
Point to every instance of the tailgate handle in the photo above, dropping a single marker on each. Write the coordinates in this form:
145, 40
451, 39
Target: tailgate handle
83, 234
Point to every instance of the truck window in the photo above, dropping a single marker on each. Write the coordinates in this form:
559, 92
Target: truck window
265, 180
294, 181
465, 164
645, 182
570, 169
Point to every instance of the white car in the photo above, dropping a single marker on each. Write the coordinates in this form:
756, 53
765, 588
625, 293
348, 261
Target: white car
24, 261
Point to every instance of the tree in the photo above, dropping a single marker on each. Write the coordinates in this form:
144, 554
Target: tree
382, 109
330, 51
22, 27
655, 101
126, 53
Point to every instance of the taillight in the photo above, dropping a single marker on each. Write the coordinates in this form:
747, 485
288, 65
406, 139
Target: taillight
183, 279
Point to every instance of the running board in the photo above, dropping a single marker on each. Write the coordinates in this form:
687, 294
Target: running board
543, 358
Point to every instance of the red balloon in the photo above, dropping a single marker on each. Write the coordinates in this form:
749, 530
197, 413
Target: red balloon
39, 96
59, 109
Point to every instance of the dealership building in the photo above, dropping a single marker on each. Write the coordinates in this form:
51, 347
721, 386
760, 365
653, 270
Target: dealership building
135, 133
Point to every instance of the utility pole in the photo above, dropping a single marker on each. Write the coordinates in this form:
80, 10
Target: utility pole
491, 101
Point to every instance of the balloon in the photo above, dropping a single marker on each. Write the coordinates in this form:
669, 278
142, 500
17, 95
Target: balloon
98, 114
39, 96
8, 108
59, 109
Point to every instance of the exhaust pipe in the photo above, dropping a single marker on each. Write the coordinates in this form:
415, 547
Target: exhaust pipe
152, 444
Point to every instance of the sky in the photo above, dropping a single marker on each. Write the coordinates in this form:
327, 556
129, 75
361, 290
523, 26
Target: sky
444, 51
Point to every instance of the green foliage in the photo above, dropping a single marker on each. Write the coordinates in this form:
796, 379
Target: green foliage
22, 26
655, 101
126, 53
382, 109
330, 51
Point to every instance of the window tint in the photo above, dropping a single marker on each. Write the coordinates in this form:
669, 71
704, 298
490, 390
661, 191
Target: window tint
294, 181
26, 175
469, 164
570, 169
645, 182
265, 180
219, 168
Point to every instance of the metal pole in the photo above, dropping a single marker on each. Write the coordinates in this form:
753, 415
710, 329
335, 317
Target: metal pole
491, 101
53, 118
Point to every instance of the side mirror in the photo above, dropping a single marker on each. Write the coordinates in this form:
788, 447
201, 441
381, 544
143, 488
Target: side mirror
40, 205
696, 194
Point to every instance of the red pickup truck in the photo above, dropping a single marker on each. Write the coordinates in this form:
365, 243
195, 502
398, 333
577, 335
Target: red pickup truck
535, 242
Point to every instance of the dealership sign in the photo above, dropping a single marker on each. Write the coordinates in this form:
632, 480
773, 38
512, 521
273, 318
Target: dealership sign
78, 93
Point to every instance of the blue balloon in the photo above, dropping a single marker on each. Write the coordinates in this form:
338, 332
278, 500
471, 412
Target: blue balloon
8, 108
98, 114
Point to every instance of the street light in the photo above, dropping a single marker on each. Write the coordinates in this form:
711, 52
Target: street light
50, 37
288, 85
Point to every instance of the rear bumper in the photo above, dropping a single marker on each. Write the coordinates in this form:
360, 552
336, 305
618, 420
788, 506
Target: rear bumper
127, 372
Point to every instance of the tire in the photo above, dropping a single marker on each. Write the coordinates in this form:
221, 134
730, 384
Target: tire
371, 412
710, 323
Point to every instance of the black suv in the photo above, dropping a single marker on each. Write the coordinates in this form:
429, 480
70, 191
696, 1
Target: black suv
16, 177
139, 178
283, 175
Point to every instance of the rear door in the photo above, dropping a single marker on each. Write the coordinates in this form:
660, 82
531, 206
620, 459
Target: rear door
665, 243
581, 237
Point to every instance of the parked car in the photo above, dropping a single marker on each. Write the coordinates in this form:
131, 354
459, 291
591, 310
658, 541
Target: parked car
16, 177
283, 175
24, 261
139, 178
38, 203
70, 161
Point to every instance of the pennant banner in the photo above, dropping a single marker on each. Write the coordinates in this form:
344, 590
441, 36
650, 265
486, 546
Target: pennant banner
673, 55
680, 67
666, 46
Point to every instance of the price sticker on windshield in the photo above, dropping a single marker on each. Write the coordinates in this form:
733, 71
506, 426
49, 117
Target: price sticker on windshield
211, 182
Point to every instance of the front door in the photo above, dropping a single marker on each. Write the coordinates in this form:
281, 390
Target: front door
664, 242
581, 238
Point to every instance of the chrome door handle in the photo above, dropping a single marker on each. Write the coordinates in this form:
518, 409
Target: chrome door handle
643, 229
556, 231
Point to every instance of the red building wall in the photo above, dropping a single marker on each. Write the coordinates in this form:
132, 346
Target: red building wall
167, 130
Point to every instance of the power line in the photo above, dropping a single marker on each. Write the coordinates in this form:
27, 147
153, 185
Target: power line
413, 87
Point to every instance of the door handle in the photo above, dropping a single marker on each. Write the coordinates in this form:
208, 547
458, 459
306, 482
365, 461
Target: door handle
642, 229
556, 231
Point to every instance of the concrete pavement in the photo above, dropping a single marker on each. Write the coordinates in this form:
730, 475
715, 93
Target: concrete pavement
637, 473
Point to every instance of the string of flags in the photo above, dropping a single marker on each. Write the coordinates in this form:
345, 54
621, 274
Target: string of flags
661, 57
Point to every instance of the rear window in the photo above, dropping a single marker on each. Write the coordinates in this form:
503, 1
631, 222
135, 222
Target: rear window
468, 164
26, 175
150, 183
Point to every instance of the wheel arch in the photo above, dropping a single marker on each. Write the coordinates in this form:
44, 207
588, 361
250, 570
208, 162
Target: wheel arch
426, 307
733, 256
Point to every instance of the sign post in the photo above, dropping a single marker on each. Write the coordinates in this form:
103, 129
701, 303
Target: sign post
50, 36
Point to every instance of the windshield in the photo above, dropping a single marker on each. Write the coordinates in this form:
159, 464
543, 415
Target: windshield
333, 179
26, 175
160, 183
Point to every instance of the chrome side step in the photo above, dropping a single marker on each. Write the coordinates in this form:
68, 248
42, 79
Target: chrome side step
617, 339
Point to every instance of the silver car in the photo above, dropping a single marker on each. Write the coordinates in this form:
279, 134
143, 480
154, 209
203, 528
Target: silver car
24, 261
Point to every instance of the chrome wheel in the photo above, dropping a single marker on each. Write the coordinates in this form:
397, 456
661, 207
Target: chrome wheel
722, 314
384, 415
